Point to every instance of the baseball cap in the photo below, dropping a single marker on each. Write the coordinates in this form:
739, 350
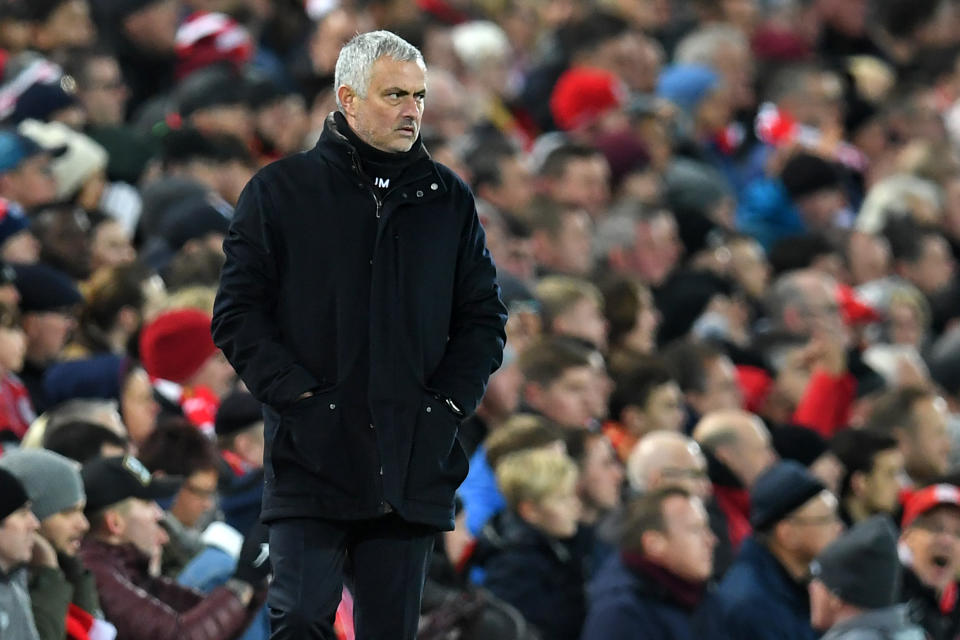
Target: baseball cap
16, 147
108, 481
924, 500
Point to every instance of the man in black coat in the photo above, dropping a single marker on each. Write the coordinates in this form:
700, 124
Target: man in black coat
359, 303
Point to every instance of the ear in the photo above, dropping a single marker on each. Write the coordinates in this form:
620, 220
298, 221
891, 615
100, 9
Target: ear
128, 319
533, 394
114, 522
348, 99
632, 419
654, 544
858, 482
528, 511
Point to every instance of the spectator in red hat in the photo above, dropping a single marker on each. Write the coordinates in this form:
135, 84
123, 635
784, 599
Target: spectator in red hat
206, 38
931, 539
586, 102
187, 369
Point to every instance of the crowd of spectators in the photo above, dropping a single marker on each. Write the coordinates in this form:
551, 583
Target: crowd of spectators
726, 234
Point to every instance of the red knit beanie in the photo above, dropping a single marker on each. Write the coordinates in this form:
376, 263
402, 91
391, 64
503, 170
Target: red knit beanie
582, 94
176, 344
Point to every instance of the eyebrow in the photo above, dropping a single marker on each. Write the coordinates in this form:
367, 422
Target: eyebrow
404, 92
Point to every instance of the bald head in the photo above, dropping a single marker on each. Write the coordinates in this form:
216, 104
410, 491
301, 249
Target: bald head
668, 459
739, 440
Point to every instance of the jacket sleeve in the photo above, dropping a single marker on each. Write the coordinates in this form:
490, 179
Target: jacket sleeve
825, 405
243, 323
146, 616
476, 335
50, 594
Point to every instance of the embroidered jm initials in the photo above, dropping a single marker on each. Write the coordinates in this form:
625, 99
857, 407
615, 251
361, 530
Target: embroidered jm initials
383, 183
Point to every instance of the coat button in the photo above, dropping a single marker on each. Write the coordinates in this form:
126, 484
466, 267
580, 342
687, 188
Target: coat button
332, 406
419, 193
371, 426
429, 409
381, 470
433, 186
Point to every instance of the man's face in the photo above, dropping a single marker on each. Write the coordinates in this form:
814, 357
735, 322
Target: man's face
814, 526
70, 25
690, 542
65, 530
139, 407
557, 514
933, 272
567, 400
141, 526
196, 497
934, 543
13, 348
602, 476
64, 240
664, 408
881, 487
585, 183
750, 267
584, 320
31, 184
389, 117
47, 333
104, 95
572, 247
515, 190
722, 390
926, 446
216, 374
657, 248
16, 537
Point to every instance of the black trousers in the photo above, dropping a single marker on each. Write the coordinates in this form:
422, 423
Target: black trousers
388, 557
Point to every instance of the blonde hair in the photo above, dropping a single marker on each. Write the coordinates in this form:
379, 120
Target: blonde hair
559, 294
534, 475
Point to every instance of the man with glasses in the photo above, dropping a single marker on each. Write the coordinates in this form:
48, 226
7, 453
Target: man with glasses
665, 459
931, 539
764, 594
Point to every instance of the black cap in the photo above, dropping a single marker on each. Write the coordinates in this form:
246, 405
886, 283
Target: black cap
862, 567
805, 174
44, 288
793, 442
779, 491
12, 494
108, 481
237, 412
210, 87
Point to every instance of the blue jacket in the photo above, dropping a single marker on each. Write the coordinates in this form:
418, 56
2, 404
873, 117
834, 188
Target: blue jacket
210, 569
479, 492
760, 601
625, 605
767, 214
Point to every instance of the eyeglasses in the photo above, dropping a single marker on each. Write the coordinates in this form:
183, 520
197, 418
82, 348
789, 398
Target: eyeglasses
816, 520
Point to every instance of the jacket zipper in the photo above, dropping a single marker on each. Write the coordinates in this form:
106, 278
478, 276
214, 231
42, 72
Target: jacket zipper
377, 200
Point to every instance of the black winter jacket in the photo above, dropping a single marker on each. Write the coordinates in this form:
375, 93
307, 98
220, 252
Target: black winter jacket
377, 304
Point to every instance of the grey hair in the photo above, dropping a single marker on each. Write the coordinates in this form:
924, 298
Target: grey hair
357, 57
701, 46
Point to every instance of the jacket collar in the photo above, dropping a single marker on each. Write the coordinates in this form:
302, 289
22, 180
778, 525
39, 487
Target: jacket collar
334, 147
125, 556
775, 578
663, 583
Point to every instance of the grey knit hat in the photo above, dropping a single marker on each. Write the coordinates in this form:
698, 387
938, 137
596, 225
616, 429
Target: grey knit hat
51, 480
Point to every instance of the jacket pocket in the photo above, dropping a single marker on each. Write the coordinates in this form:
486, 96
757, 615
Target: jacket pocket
312, 426
438, 463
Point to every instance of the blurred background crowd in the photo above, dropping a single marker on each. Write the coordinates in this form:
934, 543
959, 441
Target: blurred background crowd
726, 234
